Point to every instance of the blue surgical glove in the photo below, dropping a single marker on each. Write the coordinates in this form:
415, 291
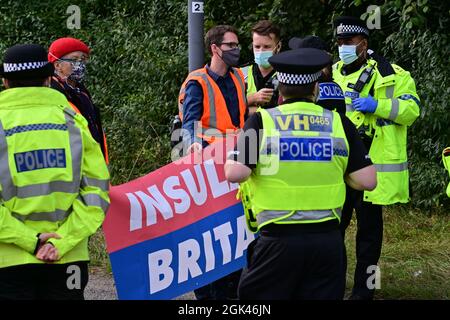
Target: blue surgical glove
365, 105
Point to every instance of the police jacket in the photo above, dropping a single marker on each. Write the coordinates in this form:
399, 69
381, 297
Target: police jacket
398, 108
446, 159
53, 177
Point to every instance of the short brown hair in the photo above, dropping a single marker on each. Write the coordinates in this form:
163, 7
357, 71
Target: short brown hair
215, 35
265, 28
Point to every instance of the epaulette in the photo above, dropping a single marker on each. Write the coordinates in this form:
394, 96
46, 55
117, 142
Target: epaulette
383, 65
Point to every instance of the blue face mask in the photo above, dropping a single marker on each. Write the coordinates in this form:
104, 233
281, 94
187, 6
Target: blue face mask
262, 58
347, 53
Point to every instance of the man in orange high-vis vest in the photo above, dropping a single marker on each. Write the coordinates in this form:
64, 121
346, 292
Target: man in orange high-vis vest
212, 99
212, 103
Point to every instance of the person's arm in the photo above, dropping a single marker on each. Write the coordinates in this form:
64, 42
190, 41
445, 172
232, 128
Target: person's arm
362, 179
403, 108
261, 97
236, 172
244, 158
256, 99
89, 208
360, 173
192, 112
13, 231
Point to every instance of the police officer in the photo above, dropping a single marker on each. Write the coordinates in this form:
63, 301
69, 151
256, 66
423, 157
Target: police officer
292, 186
54, 183
330, 96
260, 77
446, 159
381, 100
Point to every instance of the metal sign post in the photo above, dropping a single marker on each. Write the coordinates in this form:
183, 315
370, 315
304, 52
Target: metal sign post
195, 30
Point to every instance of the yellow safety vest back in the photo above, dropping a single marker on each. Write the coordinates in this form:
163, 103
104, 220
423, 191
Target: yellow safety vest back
299, 177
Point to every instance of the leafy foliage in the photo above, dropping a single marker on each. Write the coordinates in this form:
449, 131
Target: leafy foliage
139, 61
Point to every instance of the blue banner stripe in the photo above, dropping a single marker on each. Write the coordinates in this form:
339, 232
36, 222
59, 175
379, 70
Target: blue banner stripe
131, 265
35, 127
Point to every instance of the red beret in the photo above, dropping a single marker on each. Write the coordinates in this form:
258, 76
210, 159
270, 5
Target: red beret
63, 46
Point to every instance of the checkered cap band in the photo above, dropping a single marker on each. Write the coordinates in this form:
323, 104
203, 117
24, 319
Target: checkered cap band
342, 29
289, 78
14, 67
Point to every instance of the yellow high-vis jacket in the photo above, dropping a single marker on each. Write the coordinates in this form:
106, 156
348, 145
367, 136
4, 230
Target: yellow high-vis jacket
446, 159
53, 177
398, 108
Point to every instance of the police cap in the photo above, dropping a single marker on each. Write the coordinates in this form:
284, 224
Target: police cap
300, 66
346, 27
309, 42
26, 61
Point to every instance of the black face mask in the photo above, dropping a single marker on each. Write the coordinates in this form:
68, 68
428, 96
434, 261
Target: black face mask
231, 57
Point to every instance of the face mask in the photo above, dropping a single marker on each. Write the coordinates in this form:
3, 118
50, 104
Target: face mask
78, 71
347, 53
262, 58
231, 57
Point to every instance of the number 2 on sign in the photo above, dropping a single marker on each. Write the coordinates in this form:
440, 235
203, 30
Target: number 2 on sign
197, 7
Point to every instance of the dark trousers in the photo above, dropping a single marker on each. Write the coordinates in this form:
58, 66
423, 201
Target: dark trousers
222, 289
369, 238
44, 281
294, 265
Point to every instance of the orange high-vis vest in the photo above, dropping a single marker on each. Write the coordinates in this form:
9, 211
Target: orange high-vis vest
215, 112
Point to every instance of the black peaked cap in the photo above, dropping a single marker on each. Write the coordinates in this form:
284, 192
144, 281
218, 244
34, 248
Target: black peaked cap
26, 61
346, 27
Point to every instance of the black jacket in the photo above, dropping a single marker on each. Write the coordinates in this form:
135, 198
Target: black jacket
81, 98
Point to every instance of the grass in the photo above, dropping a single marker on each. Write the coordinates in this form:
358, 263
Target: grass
415, 259
414, 263
98, 253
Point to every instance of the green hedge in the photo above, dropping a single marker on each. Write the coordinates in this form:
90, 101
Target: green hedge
139, 60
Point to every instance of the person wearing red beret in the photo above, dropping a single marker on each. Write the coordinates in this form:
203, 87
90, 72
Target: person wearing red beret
69, 57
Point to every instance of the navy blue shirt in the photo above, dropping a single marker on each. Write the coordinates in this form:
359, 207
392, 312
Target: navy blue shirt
193, 104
